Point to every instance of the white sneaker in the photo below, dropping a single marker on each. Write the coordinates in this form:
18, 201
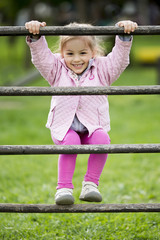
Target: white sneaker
64, 196
90, 192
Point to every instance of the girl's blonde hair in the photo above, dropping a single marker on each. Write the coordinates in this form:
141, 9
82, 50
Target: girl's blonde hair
93, 42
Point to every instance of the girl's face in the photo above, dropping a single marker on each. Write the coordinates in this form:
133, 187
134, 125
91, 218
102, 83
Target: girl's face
77, 54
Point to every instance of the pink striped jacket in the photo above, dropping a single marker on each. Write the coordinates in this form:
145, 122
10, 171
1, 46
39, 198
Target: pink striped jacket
92, 111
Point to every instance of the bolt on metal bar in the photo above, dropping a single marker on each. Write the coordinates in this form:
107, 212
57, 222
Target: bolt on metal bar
63, 30
50, 91
79, 208
78, 149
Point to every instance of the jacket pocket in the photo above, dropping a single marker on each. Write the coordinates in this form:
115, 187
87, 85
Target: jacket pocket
51, 117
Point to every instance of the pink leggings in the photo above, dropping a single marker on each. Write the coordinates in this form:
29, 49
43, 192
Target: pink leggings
67, 162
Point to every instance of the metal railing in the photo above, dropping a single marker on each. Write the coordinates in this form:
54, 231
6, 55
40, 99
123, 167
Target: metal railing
95, 30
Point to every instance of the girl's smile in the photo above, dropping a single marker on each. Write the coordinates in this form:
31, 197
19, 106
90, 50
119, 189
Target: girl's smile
78, 66
77, 54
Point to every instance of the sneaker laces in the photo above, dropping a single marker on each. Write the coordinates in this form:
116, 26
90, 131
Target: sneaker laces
90, 186
64, 191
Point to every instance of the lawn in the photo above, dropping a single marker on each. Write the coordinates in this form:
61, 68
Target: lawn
127, 178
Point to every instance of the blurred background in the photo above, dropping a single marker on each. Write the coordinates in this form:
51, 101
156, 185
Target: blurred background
59, 12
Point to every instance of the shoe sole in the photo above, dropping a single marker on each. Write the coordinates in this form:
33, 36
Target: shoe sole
91, 197
65, 200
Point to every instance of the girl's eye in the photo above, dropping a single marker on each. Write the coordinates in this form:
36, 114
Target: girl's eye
69, 54
83, 53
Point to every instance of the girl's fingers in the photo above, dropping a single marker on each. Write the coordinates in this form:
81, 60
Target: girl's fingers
128, 25
43, 24
34, 26
120, 24
26, 25
135, 26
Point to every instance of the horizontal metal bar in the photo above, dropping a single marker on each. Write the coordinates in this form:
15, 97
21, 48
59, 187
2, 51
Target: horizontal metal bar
53, 91
79, 149
79, 208
63, 30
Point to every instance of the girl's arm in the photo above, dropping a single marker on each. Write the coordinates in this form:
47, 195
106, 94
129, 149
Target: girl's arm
116, 61
42, 57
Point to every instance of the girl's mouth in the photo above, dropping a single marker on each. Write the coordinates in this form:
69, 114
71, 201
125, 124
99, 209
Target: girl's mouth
78, 66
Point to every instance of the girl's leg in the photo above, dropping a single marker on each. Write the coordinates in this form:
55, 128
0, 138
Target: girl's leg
67, 162
96, 162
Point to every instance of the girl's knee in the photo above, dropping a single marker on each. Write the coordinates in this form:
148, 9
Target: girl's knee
100, 137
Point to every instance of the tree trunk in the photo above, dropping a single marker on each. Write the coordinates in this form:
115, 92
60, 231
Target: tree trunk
143, 12
81, 9
27, 57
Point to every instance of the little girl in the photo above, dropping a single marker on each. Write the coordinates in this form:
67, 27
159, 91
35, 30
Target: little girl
75, 120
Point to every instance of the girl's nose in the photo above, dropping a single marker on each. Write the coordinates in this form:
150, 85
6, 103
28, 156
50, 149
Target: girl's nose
76, 58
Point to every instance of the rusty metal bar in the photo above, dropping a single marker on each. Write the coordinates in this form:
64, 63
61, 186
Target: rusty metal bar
78, 208
79, 149
63, 30
50, 91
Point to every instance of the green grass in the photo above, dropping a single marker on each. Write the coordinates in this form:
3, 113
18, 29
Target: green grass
127, 178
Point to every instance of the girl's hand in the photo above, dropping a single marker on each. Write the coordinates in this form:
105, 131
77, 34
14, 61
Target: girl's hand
128, 25
34, 26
